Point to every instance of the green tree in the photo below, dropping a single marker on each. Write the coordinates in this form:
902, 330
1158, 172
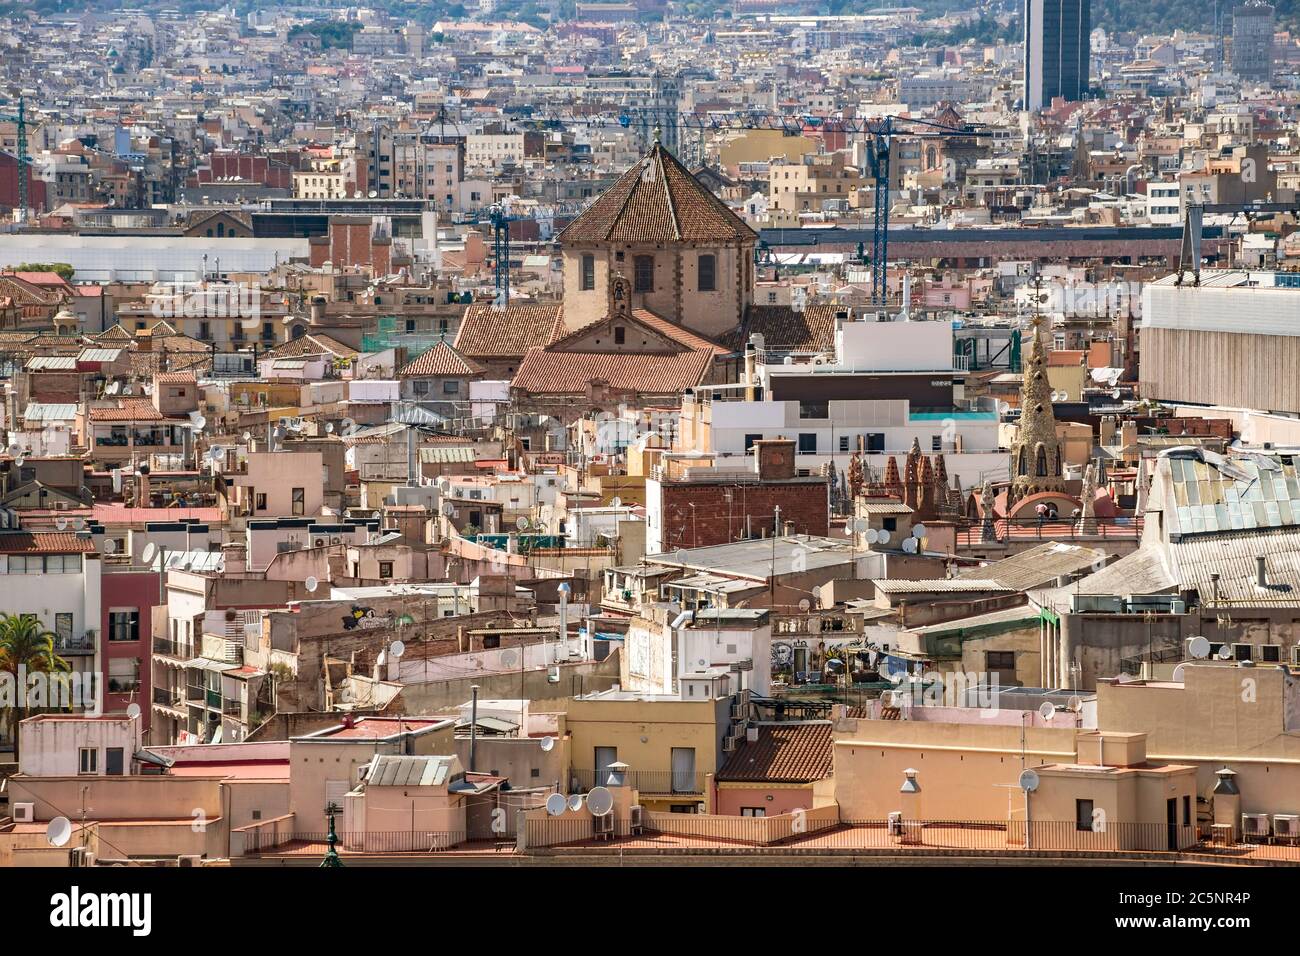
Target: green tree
26, 647
64, 269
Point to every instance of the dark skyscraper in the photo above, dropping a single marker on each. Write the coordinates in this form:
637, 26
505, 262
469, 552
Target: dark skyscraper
1057, 41
1252, 42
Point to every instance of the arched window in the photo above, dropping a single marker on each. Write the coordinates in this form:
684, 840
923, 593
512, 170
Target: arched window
1057, 471
1040, 463
931, 158
1020, 462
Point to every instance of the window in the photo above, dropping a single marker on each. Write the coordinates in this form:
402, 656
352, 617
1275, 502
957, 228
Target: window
936, 443
123, 675
643, 271
1187, 811
114, 761
299, 501
814, 409
385, 569
889, 524
683, 764
620, 335
63, 627
1000, 660
491, 642
420, 387
844, 443
124, 624
588, 281
88, 758
1270, 653
1083, 815
451, 386
876, 442
261, 501
807, 443
750, 439
708, 273
753, 811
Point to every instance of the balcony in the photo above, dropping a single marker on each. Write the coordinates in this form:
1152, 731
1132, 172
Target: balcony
170, 649
213, 699
164, 697
194, 695
74, 645
645, 781
232, 708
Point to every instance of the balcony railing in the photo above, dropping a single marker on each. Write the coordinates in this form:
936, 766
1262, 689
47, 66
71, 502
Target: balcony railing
170, 649
166, 697
232, 708
645, 781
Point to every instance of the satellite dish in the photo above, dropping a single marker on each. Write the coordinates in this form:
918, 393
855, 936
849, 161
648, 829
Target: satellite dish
60, 523
311, 584
1047, 711
918, 531
133, 711
1028, 781
521, 523
15, 450
873, 536
149, 553
1074, 705
1115, 394
199, 423
448, 508
861, 524
1180, 672
397, 649
600, 801
804, 604
848, 530
216, 453
575, 801
1003, 408
79, 523
19, 461
508, 658
1225, 652
329, 428
109, 545
909, 545
547, 744
248, 436
59, 831
679, 555
882, 537
1198, 647
556, 804
616, 503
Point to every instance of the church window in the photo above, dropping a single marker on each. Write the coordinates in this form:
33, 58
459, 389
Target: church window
708, 273
588, 273
1041, 463
644, 273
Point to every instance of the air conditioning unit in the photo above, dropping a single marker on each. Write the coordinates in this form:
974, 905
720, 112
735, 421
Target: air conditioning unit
1286, 826
635, 820
1295, 655
738, 710
24, 812
1254, 825
189, 860
895, 823
603, 825
81, 856
728, 745
751, 734
319, 542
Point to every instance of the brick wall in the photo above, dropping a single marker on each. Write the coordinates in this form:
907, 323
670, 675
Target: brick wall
717, 519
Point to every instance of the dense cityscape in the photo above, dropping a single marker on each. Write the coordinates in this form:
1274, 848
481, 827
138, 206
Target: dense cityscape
567, 432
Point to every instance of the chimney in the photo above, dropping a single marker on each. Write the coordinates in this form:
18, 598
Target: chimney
234, 557
1261, 572
774, 458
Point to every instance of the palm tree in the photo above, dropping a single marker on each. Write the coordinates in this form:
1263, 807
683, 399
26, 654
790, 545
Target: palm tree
26, 644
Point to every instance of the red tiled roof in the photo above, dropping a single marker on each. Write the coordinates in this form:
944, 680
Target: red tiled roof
569, 373
44, 542
509, 332
784, 329
442, 359
657, 200
795, 752
174, 378
127, 410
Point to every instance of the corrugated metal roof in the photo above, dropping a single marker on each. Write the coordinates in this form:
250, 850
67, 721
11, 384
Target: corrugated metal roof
446, 455
49, 412
939, 585
389, 771
1038, 566
52, 363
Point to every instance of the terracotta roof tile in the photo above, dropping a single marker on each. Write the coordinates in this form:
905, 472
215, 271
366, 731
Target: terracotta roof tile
126, 410
44, 542
784, 329
442, 359
657, 200
569, 373
487, 332
794, 752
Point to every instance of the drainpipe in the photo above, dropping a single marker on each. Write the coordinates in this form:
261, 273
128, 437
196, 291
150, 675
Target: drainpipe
473, 723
